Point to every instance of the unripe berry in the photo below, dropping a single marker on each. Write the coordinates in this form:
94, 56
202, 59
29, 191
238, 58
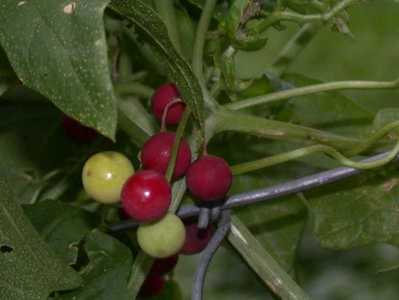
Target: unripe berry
77, 131
163, 238
196, 239
152, 286
104, 174
209, 178
163, 266
146, 196
156, 153
164, 95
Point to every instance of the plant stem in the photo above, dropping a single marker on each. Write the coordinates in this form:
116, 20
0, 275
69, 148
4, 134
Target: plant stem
176, 145
141, 267
202, 29
312, 89
271, 273
133, 88
166, 10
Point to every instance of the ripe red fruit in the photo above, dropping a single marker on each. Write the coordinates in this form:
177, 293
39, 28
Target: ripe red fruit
146, 196
162, 266
164, 95
209, 178
152, 286
156, 153
77, 131
196, 239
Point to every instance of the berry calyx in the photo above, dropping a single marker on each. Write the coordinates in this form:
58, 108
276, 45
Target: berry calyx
209, 178
157, 151
77, 131
152, 286
196, 239
163, 238
104, 174
146, 196
162, 99
163, 266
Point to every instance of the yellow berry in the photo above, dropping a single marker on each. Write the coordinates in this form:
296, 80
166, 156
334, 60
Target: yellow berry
104, 175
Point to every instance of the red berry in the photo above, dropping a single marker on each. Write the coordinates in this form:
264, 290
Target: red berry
196, 239
162, 266
209, 178
77, 131
157, 151
146, 196
152, 286
164, 95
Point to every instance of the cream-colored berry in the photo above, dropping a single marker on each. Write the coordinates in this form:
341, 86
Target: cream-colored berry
162, 238
104, 175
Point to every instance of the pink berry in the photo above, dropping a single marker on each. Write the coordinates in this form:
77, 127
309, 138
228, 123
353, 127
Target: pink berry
164, 95
196, 239
209, 178
146, 196
152, 286
156, 153
77, 131
162, 266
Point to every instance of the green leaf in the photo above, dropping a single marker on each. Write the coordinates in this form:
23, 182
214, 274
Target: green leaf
271, 273
384, 117
330, 111
62, 226
180, 72
57, 47
106, 274
29, 270
277, 225
359, 211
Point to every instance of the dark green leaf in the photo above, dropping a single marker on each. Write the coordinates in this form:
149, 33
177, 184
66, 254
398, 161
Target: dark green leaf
58, 48
106, 274
61, 225
29, 270
179, 71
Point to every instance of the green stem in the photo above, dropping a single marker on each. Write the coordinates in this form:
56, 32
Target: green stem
166, 10
133, 88
141, 266
312, 89
202, 29
263, 264
175, 148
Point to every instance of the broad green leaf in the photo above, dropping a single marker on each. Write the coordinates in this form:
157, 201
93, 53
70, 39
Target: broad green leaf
356, 212
180, 72
106, 274
330, 111
29, 269
57, 47
62, 226
186, 29
384, 117
7, 75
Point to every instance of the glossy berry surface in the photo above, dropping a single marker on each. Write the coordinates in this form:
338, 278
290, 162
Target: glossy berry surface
162, 238
146, 196
209, 178
104, 175
163, 266
196, 239
164, 95
152, 286
77, 131
156, 153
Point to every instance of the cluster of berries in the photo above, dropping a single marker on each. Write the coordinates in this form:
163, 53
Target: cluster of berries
109, 177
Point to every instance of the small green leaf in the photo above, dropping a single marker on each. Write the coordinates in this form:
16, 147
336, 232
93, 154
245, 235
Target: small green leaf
61, 225
179, 70
29, 270
57, 47
106, 274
